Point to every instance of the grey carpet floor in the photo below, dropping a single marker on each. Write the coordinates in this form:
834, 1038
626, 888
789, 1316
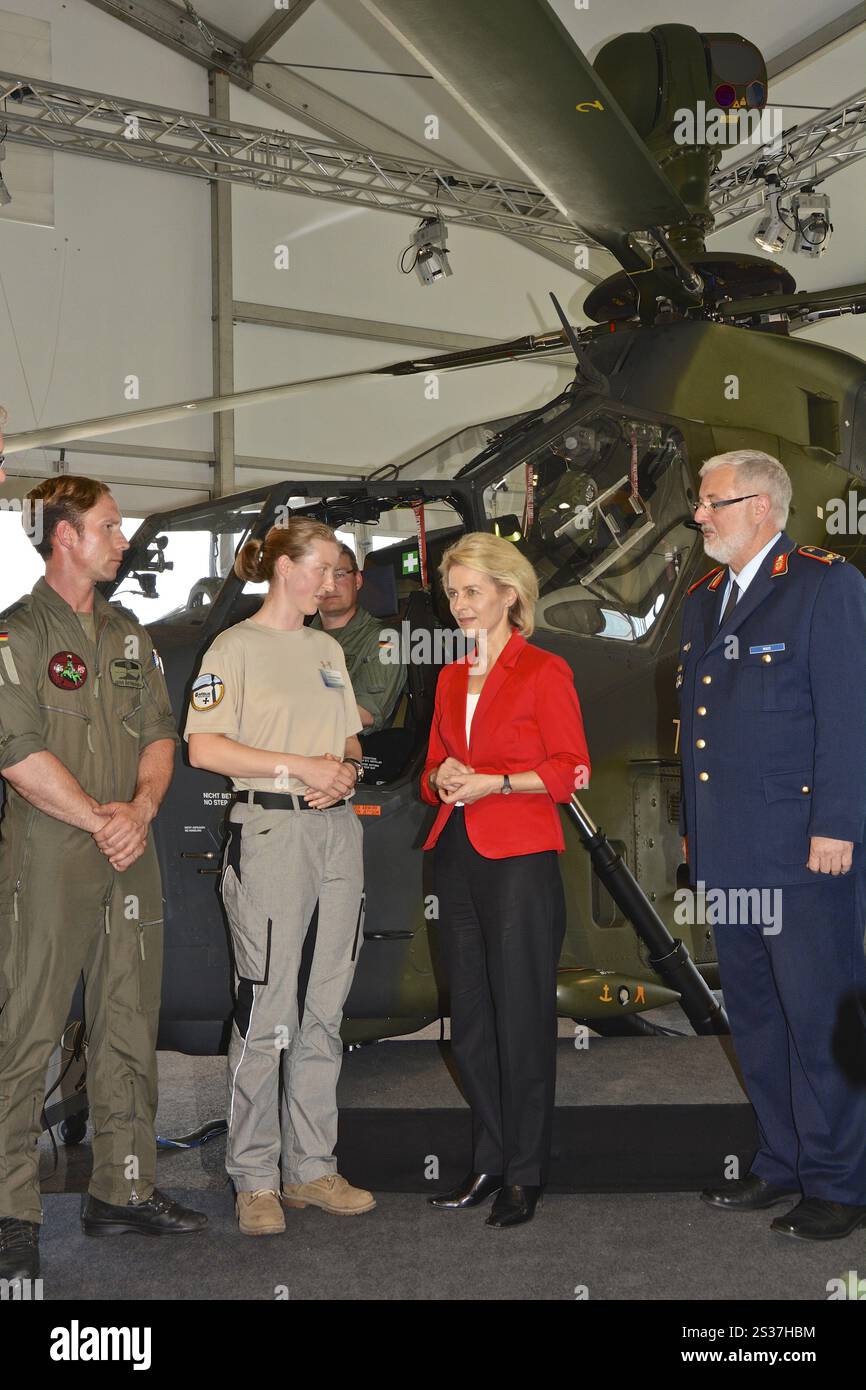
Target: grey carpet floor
645, 1246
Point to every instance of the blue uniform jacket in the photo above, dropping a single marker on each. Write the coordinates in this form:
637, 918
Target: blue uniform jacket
773, 719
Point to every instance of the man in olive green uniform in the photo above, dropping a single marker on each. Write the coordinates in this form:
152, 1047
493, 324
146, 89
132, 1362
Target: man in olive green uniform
377, 684
87, 744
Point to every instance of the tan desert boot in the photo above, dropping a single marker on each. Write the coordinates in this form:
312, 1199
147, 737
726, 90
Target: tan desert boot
330, 1192
259, 1213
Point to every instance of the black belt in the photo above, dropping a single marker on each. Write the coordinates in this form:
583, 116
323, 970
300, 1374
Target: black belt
280, 801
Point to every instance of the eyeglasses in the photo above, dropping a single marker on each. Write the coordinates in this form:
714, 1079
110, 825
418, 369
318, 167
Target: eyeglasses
726, 502
342, 574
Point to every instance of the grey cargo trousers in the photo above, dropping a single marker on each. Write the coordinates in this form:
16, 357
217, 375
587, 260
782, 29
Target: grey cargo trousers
277, 866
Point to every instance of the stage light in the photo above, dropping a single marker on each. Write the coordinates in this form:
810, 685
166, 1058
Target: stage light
431, 251
811, 214
774, 228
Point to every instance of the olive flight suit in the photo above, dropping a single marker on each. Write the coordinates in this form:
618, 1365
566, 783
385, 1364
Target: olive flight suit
96, 705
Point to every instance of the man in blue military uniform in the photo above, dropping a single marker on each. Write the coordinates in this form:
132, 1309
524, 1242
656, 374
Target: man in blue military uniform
772, 685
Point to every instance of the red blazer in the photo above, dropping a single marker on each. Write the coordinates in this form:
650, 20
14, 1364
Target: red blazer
527, 720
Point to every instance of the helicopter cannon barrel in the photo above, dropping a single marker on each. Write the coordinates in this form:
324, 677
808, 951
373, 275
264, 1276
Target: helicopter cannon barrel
668, 956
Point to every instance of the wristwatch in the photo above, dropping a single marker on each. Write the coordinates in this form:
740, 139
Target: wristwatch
359, 768
507, 788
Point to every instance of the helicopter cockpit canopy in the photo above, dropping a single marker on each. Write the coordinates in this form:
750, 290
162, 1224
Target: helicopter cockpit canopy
601, 512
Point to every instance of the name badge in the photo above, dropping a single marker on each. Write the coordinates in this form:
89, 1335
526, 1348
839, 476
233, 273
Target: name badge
767, 647
332, 678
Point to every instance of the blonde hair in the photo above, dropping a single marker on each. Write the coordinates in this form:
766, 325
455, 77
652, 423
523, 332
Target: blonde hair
502, 562
257, 560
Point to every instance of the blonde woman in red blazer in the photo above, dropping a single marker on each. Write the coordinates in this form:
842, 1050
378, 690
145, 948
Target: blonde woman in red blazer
506, 744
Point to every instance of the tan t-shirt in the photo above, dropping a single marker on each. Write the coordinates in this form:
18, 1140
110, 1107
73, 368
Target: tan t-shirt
285, 691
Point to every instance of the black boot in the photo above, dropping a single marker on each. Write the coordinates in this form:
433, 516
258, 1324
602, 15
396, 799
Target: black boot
474, 1189
19, 1248
514, 1205
158, 1216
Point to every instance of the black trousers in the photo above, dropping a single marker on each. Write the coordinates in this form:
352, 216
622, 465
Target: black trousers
501, 923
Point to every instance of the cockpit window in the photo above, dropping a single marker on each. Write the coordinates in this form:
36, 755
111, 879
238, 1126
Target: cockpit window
600, 512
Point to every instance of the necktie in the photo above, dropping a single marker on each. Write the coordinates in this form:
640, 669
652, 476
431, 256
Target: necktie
731, 604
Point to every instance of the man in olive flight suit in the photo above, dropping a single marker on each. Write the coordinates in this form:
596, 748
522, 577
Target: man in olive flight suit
378, 685
87, 744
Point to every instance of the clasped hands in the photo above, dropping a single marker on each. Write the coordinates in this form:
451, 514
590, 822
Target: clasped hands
121, 832
455, 781
329, 780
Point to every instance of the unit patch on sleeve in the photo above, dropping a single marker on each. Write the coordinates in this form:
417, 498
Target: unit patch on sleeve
207, 691
126, 673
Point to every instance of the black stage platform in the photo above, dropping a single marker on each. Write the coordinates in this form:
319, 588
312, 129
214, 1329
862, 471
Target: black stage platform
632, 1115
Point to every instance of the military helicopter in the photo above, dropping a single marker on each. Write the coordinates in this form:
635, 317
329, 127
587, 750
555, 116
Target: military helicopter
597, 488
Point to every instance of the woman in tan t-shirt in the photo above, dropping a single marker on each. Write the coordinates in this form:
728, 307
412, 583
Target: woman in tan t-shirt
273, 708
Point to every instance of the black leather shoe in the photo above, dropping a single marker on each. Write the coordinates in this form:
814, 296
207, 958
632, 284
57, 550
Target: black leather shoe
158, 1216
748, 1194
514, 1205
19, 1248
815, 1218
474, 1189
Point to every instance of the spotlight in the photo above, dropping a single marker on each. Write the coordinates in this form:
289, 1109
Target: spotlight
811, 212
773, 230
431, 251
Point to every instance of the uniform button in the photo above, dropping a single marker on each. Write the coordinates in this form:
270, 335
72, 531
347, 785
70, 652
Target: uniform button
704, 776
702, 709
707, 680
767, 658
701, 743
805, 789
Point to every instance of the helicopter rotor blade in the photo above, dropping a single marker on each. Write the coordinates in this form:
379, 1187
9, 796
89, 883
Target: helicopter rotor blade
799, 304
41, 438
515, 68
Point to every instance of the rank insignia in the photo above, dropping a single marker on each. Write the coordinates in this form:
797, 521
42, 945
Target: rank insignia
815, 552
207, 691
67, 671
780, 564
716, 580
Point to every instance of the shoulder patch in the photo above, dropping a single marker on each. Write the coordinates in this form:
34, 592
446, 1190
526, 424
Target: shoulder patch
718, 571
816, 552
207, 691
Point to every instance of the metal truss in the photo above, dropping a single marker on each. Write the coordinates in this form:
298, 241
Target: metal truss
807, 154
72, 120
